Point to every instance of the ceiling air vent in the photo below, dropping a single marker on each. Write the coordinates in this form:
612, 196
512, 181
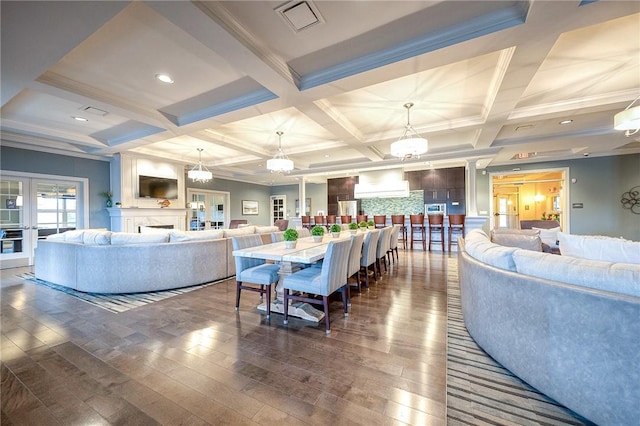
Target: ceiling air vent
299, 15
95, 111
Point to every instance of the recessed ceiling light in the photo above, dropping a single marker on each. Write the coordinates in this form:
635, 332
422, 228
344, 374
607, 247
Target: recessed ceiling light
327, 156
566, 122
79, 118
164, 78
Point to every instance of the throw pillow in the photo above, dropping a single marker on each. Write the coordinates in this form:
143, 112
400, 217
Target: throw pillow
102, 238
549, 236
180, 236
73, 236
119, 238
524, 240
599, 247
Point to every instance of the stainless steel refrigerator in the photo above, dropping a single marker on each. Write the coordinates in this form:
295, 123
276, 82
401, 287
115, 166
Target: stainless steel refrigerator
348, 208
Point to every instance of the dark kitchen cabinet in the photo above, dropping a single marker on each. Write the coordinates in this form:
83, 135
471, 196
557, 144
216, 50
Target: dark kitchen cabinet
415, 180
339, 189
455, 177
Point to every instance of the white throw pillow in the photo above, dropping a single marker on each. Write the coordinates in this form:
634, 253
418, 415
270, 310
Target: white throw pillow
56, 237
119, 238
615, 277
73, 236
180, 236
549, 236
599, 247
102, 238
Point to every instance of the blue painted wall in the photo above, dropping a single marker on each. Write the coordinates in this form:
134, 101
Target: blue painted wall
97, 171
600, 183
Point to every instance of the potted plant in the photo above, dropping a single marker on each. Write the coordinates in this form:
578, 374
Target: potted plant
335, 230
290, 238
363, 225
317, 232
371, 224
353, 227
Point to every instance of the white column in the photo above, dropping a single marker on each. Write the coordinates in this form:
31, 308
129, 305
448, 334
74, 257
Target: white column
471, 195
302, 196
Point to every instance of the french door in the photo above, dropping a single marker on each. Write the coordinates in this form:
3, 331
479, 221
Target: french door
207, 209
34, 206
278, 207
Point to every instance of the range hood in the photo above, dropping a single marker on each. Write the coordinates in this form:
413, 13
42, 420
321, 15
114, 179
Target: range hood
382, 184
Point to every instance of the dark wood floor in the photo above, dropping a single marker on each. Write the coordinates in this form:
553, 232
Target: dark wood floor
193, 360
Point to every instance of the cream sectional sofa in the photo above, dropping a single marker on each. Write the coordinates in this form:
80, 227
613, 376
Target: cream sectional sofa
100, 261
567, 325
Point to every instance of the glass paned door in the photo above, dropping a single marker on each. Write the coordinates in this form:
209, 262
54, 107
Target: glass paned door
56, 208
207, 209
278, 207
15, 228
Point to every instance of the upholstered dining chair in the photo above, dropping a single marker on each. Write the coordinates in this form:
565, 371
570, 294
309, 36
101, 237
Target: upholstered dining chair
398, 219
393, 242
382, 248
355, 255
322, 282
369, 253
276, 237
303, 233
253, 271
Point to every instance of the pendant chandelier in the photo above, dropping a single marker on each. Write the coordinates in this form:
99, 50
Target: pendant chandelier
200, 173
628, 119
410, 144
280, 163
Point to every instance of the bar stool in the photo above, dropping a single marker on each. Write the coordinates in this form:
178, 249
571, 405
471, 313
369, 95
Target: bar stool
456, 224
436, 225
417, 224
361, 218
306, 222
331, 219
320, 220
380, 220
345, 219
398, 220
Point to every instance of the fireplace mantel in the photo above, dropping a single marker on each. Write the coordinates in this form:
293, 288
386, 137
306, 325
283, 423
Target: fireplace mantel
130, 219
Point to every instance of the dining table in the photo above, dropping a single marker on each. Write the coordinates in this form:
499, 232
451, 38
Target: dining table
306, 252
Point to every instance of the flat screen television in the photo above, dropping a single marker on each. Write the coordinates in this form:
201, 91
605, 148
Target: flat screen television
157, 187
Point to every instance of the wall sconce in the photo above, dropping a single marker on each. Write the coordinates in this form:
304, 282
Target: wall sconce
538, 197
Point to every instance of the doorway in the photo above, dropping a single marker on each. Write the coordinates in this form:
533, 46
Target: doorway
531, 195
207, 209
35, 206
278, 207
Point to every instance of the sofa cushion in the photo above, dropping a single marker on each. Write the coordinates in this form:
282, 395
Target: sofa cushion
598, 247
524, 239
549, 236
152, 230
102, 238
478, 246
119, 238
210, 234
246, 230
56, 237
615, 277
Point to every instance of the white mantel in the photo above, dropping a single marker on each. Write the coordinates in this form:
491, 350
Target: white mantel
130, 219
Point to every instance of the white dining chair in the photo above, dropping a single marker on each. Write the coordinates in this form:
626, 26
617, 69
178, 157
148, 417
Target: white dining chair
383, 248
253, 271
323, 281
355, 255
369, 253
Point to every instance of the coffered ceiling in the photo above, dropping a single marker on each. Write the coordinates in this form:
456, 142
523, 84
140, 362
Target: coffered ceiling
490, 80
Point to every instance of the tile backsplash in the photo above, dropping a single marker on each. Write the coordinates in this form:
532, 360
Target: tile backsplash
413, 204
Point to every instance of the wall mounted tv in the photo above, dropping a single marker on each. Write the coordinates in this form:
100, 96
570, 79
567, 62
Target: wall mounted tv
157, 187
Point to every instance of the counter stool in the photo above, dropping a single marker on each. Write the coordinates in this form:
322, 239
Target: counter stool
345, 219
331, 220
398, 220
417, 225
361, 218
320, 220
306, 222
436, 225
380, 220
456, 224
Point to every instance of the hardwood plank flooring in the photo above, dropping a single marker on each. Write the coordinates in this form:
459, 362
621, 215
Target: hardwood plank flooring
193, 360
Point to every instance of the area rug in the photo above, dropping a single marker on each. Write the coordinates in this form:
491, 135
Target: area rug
479, 389
116, 302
